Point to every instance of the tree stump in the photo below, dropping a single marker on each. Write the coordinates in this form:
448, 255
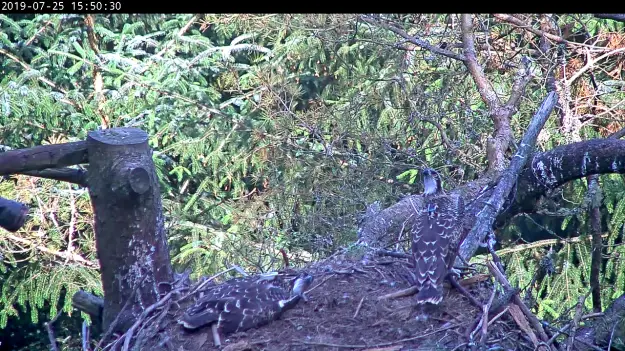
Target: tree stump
129, 226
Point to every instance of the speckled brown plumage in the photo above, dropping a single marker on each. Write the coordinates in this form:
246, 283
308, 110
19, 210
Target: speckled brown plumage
435, 233
243, 303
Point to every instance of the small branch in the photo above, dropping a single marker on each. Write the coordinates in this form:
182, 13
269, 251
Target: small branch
594, 191
88, 303
65, 255
591, 63
519, 23
533, 320
413, 39
546, 242
85, 336
359, 307
69, 175
401, 293
578, 316
395, 254
51, 337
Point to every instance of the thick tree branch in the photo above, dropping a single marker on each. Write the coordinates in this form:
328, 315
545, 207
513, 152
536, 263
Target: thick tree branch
551, 169
613, 16
501, 114
486, 217
483, 85
41, 157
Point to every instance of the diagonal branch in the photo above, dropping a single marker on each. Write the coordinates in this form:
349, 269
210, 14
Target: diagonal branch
413, 39
519, 23
486, 217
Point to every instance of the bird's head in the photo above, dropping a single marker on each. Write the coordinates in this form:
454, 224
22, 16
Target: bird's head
431, 181
301, 284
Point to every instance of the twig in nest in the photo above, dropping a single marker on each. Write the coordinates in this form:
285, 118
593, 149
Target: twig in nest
494, 319
49, 327
401, 293
533, 320
146, 312
482, 324
577, 339
318, 285
359, 306
485, 312
381, 252
109, 331
463, 291
381, 344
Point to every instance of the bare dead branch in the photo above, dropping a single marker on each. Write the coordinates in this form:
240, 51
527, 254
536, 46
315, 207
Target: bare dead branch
591, 62
486, 217
401, 293
594, 192
477, 72
89, 304
551, 169
533, 320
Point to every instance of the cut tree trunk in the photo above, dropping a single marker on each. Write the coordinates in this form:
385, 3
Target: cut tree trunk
129, 224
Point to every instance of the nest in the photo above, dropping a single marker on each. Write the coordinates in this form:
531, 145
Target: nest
353, 304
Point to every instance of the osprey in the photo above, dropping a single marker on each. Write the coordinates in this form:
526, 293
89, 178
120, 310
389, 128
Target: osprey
435, 236
243, 303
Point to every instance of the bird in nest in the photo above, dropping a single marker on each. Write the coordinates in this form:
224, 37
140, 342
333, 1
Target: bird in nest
240, 304
436, 235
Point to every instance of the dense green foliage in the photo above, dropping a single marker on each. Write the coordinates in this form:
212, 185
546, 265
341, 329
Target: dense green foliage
273, 132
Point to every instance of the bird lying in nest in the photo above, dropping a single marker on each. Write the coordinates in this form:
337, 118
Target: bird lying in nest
240, 304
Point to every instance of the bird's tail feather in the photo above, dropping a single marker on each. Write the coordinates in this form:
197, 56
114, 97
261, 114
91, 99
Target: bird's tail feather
430, 294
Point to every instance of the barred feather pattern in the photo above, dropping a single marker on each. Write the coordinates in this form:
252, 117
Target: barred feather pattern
243, 303
435, 234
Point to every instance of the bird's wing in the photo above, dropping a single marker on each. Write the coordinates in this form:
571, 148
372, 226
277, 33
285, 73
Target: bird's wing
208, 310
432, 233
